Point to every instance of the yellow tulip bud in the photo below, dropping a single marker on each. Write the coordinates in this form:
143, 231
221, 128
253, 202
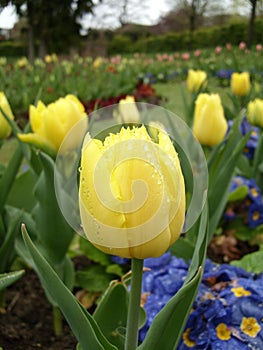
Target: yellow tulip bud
131, 194
5, 129
51, 123
209, 125
127, 111
196, 80
240, 83
255, 112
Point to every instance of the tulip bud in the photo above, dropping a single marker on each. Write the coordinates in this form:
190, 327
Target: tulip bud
240, 83
196, 80
209, 125
51, 123
255, 112
131, 194
5, 129
127, 111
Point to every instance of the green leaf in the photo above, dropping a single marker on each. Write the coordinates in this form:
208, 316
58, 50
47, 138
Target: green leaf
238, 194
12, 220
244, 167
250, 262
93, 278
221, 165
54, 239
9, 175
111, 314
81, 322
183, 248
93, 253
21, 195
6, 279
168, 325
114, 269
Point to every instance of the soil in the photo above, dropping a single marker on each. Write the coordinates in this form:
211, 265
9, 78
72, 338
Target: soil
26, 322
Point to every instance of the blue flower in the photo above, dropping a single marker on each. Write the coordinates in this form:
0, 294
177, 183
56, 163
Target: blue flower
228, 309
255, 215
119, 260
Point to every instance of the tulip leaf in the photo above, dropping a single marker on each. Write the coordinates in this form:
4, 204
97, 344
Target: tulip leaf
21, 195
6, 279
54, 239
12, 220
238, 194
81, 322
221, 165
111, 314
9, 176
168, 325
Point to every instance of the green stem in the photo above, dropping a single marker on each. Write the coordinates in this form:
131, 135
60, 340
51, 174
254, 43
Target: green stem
57, 321
131, 341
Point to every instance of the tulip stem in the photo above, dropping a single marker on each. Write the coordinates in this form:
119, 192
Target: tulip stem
132, 330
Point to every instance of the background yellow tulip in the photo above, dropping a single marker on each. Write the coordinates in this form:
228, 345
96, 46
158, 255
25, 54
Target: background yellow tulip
209, 125
5, 129
51, 123
196, 79
240, 83
255, 112
127, 111
131, 194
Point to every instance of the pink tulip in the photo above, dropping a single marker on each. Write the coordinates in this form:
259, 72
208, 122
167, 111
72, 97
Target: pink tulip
218, 50
259, 47
185, 56
197, 53
242, 45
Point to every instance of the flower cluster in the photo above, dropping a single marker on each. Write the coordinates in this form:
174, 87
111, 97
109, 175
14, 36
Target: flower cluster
227, 312
252, 205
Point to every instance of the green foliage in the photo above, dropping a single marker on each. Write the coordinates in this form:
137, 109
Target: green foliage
81, 322
120, 41
8, 278
170, 42
251, 262
12, 49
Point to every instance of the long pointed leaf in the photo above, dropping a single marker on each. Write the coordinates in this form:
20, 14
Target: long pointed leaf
6, 279
82, 324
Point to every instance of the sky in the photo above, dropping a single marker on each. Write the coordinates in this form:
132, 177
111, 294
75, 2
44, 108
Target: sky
154, 10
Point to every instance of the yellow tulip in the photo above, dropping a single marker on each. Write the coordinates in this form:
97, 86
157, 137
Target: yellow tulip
51, 123
196, 79
127, 111
240, 83
131, 194
209, 125
5, 129
255, 112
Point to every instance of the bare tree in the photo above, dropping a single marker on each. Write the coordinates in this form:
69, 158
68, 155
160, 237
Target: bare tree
194, 10
252, 17
112, 14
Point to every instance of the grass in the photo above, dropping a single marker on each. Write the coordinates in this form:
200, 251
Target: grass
172, 97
